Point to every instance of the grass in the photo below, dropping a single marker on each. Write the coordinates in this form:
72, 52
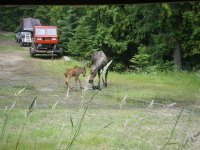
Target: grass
7, 43
162, 87
58, 66
10, 48
105, 125
7, 36
125, 131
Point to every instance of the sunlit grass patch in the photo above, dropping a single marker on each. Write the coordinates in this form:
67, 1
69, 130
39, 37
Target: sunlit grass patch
11, 48
7, 36
162, 87
8, 43
181, 86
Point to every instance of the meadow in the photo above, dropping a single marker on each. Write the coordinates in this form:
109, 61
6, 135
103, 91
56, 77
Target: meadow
133, 112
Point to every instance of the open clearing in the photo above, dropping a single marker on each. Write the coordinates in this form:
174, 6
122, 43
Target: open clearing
109, 121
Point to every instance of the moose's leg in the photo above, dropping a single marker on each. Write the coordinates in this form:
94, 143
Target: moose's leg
80, 83
106, 74
99, 73
67, 82
77, 79
103, 81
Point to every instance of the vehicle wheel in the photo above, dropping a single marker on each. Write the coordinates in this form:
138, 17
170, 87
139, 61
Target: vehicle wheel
33, 46
61, 53
32, 55
31, 52
21, 43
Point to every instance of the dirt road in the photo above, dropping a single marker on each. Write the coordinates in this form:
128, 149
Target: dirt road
19, 71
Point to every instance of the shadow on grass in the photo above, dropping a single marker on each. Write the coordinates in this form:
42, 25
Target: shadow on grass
47, 56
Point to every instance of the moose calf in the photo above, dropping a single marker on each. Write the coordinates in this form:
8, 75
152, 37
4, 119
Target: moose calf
74, 72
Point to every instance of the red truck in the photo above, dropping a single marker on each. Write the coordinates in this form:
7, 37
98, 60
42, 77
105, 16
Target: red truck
45, 41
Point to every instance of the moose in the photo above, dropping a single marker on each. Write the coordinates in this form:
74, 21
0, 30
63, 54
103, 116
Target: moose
99, 61
74, 72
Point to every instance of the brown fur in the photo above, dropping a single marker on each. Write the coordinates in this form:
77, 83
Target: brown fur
74, 72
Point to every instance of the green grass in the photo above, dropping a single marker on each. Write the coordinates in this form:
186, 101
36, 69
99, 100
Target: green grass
103, 129
58, 66
7, 43
7, 36
162, 87
107, 126
11, 48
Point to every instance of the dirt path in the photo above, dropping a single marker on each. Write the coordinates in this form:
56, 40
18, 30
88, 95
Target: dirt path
18, 70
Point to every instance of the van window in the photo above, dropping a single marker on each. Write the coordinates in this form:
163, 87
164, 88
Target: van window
22, 33
51, 32
40, 31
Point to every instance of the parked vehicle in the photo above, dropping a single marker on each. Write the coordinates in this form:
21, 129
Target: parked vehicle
25, 34
17, 37
24, 38
45, 41
28, 23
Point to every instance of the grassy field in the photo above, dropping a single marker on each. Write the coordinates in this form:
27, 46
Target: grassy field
7, 35
7, 42
182, 87
139, 128
106, 121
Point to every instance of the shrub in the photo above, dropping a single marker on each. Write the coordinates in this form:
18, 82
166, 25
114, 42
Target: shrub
141, 61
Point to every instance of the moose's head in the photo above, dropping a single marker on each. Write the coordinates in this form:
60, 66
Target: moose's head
93, 73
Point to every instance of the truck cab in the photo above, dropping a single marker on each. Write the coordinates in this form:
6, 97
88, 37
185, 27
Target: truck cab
45, 41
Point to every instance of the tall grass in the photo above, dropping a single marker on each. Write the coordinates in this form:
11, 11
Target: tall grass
101, 129
178, 117
30, 109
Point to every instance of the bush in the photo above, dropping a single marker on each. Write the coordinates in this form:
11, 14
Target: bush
140, 61
161, 67
119, 67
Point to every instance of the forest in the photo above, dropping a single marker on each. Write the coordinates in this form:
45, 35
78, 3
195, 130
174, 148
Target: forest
138, 37
152, 100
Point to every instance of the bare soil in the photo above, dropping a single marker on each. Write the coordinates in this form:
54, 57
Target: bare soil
18, 70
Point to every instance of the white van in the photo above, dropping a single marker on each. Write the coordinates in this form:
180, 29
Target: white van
25, 38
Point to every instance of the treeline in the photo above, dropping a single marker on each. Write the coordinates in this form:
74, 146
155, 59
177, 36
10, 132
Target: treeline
143, 37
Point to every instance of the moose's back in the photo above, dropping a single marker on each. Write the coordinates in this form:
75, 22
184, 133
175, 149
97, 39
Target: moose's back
99, 59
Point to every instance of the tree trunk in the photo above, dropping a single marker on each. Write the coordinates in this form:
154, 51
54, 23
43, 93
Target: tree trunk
177, 56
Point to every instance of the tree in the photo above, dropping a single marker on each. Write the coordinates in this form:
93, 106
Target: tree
12, 15
82, 42
67, 24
